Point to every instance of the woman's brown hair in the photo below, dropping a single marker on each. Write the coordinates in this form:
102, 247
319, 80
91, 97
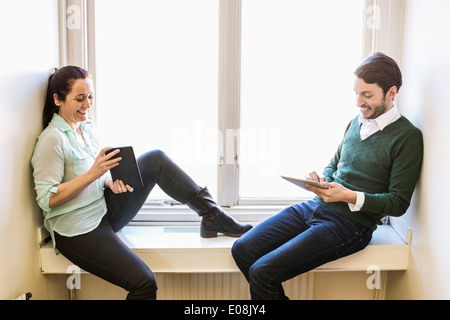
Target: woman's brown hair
60, 82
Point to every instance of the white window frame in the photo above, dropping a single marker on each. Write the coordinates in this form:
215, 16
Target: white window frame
382, 32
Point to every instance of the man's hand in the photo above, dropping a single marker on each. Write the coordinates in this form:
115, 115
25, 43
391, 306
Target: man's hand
335, 192
314, 176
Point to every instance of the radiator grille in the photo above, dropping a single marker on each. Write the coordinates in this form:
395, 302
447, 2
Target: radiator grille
222, 286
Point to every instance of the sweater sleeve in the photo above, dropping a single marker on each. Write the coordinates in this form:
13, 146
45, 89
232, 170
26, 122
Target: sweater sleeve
332, 166
405, 173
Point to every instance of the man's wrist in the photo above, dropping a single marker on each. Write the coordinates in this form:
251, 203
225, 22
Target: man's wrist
351, 197
357, 205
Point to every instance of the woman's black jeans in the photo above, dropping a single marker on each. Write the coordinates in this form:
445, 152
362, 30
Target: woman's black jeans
102, 253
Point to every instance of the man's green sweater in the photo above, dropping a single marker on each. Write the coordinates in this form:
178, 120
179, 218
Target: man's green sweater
385, 166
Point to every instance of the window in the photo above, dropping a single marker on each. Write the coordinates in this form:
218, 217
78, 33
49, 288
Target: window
237, 92
298, 59
157, 85
157, 80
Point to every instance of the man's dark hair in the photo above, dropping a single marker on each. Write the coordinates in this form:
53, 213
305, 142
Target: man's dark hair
382, 70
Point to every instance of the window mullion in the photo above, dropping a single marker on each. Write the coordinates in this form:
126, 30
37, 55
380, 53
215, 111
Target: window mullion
382, 32
62, 8
90, 50
73, 25
229, 101
77, 36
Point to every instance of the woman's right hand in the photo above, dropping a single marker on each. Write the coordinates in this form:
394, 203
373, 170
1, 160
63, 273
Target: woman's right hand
103, 163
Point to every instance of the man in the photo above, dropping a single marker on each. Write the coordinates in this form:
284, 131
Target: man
373, 174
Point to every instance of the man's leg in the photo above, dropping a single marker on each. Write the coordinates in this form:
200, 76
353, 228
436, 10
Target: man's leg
329, 237
270, 235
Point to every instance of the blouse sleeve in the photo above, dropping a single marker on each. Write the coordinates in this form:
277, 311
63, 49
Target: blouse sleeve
48, 167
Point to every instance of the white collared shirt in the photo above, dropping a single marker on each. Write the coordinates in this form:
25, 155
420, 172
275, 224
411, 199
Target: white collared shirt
371, 126
368, 128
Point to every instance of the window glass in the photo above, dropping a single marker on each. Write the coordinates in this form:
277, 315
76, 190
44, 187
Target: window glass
297, 96
157, 71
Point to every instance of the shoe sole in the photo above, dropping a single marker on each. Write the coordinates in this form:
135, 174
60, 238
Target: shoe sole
213, 234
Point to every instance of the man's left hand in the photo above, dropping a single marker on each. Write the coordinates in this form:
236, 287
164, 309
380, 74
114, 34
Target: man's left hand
335, 192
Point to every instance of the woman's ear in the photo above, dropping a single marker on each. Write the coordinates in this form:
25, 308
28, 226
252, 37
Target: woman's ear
57, 100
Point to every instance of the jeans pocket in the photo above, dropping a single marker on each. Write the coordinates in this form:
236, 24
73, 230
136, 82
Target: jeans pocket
354, 244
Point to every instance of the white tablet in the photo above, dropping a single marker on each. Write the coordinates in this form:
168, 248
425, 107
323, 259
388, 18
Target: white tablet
301, 182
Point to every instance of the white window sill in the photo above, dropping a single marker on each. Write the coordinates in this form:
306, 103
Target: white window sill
180, 249
182, 215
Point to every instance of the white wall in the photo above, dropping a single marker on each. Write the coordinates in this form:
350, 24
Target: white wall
29, 49
425, 101
29, 38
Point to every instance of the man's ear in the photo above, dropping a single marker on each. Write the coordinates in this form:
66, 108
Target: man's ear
390, 95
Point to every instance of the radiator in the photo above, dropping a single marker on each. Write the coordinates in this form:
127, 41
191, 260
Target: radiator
222, 286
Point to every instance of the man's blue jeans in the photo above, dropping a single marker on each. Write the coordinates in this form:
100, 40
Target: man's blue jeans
296, 240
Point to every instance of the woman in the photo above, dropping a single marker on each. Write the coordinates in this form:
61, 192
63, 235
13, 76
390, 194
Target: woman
83, 208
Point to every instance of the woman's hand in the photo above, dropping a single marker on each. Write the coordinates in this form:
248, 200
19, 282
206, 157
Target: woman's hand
118, 186
103, 163
70, 189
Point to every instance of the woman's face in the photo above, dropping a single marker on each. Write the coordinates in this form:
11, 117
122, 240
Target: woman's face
78, 102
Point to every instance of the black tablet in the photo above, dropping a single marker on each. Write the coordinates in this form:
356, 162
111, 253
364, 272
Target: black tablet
128, 168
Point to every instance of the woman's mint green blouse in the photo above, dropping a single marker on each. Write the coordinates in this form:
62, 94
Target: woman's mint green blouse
58, 157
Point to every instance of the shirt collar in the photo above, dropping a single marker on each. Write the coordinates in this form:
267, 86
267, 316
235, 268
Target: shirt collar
383, 120
62, 125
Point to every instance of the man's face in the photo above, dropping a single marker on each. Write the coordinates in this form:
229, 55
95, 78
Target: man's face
371, 99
